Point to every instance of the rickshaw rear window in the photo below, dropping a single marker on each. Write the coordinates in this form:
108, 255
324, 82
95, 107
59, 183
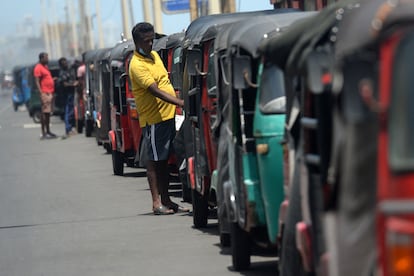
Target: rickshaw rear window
272, 91
401, 121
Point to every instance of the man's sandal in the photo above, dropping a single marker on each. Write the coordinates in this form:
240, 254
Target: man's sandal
178, 208
162, 210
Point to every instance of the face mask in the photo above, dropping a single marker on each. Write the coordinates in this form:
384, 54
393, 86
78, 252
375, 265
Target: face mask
142, 52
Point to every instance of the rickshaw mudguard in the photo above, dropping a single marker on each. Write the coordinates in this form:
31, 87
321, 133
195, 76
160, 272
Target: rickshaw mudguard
111, 135
255, 208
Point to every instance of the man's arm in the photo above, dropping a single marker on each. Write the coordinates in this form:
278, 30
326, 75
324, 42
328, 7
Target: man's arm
164, 95
37, 81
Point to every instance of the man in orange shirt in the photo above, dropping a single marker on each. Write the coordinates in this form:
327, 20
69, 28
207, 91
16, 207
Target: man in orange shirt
46, 86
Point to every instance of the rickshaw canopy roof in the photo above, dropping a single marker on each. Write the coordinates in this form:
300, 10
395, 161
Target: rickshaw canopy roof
247, 34
205, 27
89, 56
120, 50
356, 29
290, 45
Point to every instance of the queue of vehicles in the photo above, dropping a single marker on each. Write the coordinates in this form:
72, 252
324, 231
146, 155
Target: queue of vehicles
297, 129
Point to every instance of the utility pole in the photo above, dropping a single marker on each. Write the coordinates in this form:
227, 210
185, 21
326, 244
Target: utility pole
89, 27
82, 25
45, 27
85, 27
228, 6
147, 11
157, 16
193, 10
74, 32
214, 7
56, 32
99, 23
131, 12
125, 19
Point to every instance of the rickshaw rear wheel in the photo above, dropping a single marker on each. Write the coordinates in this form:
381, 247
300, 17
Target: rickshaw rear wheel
117, 163
240, 247
79, 125
88, 128
225, 240
200, 209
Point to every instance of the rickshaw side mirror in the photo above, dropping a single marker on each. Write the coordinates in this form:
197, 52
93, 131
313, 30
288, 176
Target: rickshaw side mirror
194, 58
316, 66
117, 78
240, 68
176, 76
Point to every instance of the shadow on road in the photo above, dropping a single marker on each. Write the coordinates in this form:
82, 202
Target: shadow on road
136, 174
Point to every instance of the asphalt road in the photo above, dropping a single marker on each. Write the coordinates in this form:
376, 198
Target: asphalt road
63, 212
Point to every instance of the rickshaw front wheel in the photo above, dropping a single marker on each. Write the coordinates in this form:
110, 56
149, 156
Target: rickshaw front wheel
36, 116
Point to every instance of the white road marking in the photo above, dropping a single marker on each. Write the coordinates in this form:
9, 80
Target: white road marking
31, 125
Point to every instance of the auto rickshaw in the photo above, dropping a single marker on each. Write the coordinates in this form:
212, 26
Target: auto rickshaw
21, 89
372, 165
199, 95
304, 54
122, 104
102, 87
90, 84
255, 119
59, 102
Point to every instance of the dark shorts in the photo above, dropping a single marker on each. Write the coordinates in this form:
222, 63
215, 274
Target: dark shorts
159, 140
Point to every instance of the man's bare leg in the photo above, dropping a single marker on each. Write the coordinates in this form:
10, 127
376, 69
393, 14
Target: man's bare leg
154, 182
43, 123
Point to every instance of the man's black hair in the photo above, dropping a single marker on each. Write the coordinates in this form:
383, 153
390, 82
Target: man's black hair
61, 60
42, 55
141, 28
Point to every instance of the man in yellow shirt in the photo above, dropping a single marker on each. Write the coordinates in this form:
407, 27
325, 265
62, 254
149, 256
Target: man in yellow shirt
156, 103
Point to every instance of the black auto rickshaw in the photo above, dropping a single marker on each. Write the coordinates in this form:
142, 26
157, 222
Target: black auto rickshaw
253, 192
59, 102
90, 84
102, 85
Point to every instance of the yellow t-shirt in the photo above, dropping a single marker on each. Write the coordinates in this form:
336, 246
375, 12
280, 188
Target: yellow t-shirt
143, 72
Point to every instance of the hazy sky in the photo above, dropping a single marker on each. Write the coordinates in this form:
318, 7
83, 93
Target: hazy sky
13, 12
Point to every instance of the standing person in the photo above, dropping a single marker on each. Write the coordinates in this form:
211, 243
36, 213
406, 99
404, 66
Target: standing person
46, 86
67, 79
156, 103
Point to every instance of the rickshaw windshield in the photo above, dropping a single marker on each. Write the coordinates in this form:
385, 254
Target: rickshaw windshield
401, 121
272, 90
211, 76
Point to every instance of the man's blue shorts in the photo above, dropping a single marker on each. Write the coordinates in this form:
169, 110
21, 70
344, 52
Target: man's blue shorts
159, 140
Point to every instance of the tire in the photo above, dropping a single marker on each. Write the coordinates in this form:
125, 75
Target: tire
88, 128
200, 209
79, 125
225, 239
186, 189
240, 247
107, 147
223, 225
15, 107
36, 116
290, 262
117, 163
